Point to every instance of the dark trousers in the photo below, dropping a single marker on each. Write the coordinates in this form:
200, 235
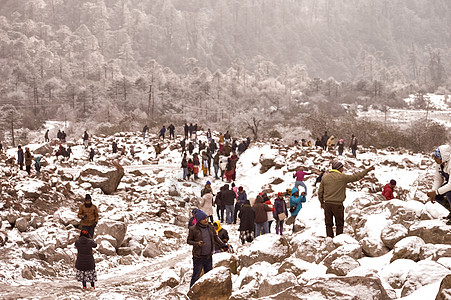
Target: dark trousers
332, 211
28, 168
199, 264
445, 202
89, 229
220, 212
235, 213
21, 165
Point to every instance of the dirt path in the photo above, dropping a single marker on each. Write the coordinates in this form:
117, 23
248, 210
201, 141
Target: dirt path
135, 283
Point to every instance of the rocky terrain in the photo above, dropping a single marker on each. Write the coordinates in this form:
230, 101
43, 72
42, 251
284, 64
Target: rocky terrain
398, 249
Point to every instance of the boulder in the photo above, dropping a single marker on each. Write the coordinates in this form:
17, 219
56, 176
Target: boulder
151, 250
373, 246
343, 239
116, 229
46, 148
171, 234
268, 247
295, 266
228, 260
342, 265
32, 188
66, 217
444, 292
425, 272
352, 250
216, 284
22, 224
106, 248
395, 274
168, 278
123, 251
434, 251
432, 231
445, 261
392, 234
103, 175
106, 237
33, 239
28, 273
136, 247
408, 248
311, 248
353, 287
276, 284
62, 240
126, 260
173, 191
3, 238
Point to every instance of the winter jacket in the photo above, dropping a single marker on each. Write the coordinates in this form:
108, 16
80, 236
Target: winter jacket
223, 163
184, 163
300, 175
85, 259
261, 210
228, 197
280, 206
324, 139
91, 213
247, 217
333, 186
20, 156
195, 236
241, 198
222, 234
206, 204
441, 177
388, 192
205, 190
296, 201
270, 213
28, 158
331, 142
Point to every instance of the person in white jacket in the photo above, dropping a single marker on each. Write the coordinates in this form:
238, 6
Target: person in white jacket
206, 205
441, 189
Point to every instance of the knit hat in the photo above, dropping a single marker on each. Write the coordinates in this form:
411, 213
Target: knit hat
208, 182
437, 153
88, 197
336, 165
393, 182
240, 188
200, 215
280, 194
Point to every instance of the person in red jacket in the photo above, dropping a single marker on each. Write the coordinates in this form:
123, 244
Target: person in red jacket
388, 190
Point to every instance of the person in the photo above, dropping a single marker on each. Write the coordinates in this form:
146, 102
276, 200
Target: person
341, 146
228, 201
324, 140
216, 164
222, 234
37, 165
261, 216
46, 136
280, 212
223, 166
28, 160
1, 147
162, 132
190, 148
114, 146
85, 264
192, 221
332, 193
190, 168
132, 151
204, 163
63, 136
157, 148
20, 156
247, 222
240, 199
296, 201
209, 135
186, 129
91, 155
219, 206
184, 166
196, 164
171, 129
227, 137
318, 179
441, 188
145, 129
270, 214
206, 204
183, 145
59, 135
85, 139
318, 143
299, 175
331, 143
202, 237
89, 215
353, 146
388, 190
206, 189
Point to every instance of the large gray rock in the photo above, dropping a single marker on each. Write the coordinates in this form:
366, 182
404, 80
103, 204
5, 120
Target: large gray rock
276, 284
103, 175
352, 250
395, 274
353, 287
373, 246
434, 251
432, 231
3, 238
268, 247
116, 229
342, 266
392, 234
228, 260
28, 273
408, 248
168, 278
66, 217
216, 284
151, 250
426, 272
444, 292
22, 224
311, 248
295, 266
106, 248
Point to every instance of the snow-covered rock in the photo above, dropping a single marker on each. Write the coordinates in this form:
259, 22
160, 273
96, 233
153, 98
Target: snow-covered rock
103, 175
392, 234
216, 284
276, 284
444, 292
295, 266
226, 259
32, 188
116, 229
151, 250
434, 251
343, 265
271, 248
445, 261
373, 246
106, 248
22, 224
352, 250
66, 216
408, 248
432, 231
395, 273
311, 248
425, 272
168, 278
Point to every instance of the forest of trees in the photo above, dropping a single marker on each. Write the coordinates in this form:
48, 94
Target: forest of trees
217, 60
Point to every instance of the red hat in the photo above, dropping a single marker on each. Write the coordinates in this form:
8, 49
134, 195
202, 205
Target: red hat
279, 194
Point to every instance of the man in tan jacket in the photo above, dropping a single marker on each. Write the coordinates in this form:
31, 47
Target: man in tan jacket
89, 215
332, 194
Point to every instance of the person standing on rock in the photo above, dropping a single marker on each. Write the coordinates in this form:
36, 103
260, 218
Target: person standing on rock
85, 264
388, 190
202, 237
441, 187
89, 215
20, 156
353, 145
247, 222
28, 160
46, 136
162, 132
241, 197
261, 216
296, 201
299, 175
85, 139
228, 201
171, 129
91, 155
37, 165
332, 194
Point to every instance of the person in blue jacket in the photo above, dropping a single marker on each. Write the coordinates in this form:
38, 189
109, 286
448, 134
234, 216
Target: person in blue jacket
296, 201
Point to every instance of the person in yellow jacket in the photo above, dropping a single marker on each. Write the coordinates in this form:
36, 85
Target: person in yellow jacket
332, 194
89, 215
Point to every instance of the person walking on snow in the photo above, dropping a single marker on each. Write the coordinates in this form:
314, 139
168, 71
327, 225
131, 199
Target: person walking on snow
228, 200
20, 156
280, 212
441, 188
162, 132
388, 190
261, 216
171, 129
341, 146
145, 129
202, 237
324, 140
85, 139
28, 160
46, 136
240, 199
332, 193
89, 215
37, 165
247, 222
85, 264
353, 146
91, 155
